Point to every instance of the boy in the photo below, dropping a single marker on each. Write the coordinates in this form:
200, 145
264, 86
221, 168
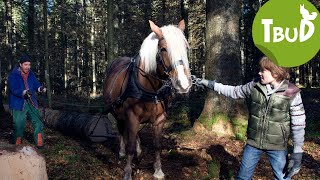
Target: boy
275, 108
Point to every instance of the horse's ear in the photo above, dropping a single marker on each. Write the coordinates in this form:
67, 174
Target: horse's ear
181, 25
156, 29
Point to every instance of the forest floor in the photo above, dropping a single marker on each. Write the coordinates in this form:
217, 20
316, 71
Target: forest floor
185, 155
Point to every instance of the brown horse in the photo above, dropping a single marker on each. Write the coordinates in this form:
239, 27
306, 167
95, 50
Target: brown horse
136, 89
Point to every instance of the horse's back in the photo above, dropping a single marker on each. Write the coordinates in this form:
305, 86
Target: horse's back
116, 79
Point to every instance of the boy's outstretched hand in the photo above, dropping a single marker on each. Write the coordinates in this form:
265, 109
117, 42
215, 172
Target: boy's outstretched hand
200, 82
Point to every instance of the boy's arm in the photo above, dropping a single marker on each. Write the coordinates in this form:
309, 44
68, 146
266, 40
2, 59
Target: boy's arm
235, 92
298, 123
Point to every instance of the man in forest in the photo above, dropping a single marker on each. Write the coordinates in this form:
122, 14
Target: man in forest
22, 101
275, 109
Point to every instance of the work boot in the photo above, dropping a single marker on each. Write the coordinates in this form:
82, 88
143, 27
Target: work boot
39, 140
18, 141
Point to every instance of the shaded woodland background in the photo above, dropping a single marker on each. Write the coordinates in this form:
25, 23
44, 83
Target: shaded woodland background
71, 42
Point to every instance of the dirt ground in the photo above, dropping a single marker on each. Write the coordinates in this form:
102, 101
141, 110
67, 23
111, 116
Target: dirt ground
185, 155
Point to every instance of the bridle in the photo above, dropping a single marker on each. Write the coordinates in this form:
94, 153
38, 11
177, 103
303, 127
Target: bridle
167, 70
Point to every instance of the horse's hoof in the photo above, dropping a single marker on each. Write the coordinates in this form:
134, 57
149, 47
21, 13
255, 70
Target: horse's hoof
122, 155
158, 176
127, 177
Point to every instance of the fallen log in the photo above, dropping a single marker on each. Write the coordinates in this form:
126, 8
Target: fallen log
97, 128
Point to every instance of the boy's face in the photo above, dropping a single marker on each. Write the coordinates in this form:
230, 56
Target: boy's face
266, 76
25, 67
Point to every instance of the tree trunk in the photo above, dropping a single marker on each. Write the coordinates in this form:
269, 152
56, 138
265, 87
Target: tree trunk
46, 55
223, 61
63, 44
93, 57
9, 29
1, 97
196, 35
21, 163
31, 13
96, 128
158, 11
85, 67
110, 34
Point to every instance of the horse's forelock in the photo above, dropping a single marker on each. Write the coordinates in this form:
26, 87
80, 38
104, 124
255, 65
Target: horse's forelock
177, 44
148, 52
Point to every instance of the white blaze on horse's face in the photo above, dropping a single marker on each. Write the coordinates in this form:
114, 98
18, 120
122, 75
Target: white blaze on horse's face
185, 84
182, 82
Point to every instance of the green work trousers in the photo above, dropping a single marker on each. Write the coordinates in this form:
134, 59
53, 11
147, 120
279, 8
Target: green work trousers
19, 122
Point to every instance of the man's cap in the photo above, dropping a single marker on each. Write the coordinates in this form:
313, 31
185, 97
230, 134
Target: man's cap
24, 58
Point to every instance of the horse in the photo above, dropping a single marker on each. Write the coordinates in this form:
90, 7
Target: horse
137, 89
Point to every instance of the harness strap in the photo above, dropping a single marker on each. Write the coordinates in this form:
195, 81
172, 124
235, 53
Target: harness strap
134, 89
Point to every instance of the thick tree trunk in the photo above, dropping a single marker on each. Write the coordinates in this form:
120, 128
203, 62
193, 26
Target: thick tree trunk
223, 62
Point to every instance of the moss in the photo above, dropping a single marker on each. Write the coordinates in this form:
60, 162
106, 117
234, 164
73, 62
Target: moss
213, 170
240, 128
209, 122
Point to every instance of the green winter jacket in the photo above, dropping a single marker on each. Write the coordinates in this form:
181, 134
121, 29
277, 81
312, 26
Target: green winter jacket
269, 118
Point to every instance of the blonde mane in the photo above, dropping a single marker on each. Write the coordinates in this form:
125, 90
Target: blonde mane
177, 46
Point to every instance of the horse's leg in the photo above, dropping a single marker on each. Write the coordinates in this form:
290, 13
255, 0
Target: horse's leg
138, 148
157, 129
122, 151
132, 127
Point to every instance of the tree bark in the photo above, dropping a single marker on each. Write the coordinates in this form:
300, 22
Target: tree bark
46, 55
31, 14
110, 30
93, 57
1, 97
63, 46
9, 29
223, 62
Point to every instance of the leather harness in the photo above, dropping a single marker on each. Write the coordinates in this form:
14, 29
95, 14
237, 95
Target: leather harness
134, 89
